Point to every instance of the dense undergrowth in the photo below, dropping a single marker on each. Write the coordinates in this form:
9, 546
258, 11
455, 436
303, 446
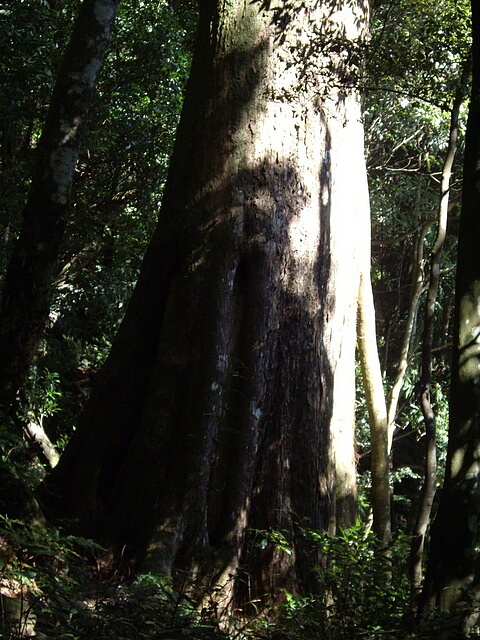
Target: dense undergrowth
58, 586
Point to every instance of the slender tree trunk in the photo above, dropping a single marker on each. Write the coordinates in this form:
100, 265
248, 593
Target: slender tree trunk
454, 533
35, 433
418, 286
377, 409
226, 406
34, 262
430, 474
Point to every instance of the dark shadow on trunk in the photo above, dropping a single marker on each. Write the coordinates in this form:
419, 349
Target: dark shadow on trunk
211, 419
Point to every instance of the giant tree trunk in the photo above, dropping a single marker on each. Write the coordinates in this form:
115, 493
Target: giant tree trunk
454, 533
227, 404
34, 262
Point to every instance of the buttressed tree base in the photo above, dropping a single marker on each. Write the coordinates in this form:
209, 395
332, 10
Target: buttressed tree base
226, 406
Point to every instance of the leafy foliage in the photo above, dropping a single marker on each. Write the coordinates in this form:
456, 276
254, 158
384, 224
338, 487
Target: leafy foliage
430, 42
66, 591
408, 100
408, 97
413, 65
122, 170
363, 592
119, 177
32, 38
365, 588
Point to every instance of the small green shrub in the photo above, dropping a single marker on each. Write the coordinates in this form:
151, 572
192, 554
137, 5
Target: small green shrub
363, 590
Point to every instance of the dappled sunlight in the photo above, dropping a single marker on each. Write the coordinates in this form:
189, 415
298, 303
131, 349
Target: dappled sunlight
214, 456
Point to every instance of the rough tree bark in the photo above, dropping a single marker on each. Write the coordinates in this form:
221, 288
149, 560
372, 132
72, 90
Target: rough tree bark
227, 403
32, 267
450, 572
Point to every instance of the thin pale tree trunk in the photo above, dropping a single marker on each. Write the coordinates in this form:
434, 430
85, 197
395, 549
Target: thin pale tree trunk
430, 472
377, 410
452, 576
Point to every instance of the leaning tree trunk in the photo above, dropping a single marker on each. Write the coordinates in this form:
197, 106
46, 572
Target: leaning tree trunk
226, 406
34, 262
454, 533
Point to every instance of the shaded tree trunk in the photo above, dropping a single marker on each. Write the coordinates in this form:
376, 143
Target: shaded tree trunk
454, 533
226, 406
34, 262
16, 498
